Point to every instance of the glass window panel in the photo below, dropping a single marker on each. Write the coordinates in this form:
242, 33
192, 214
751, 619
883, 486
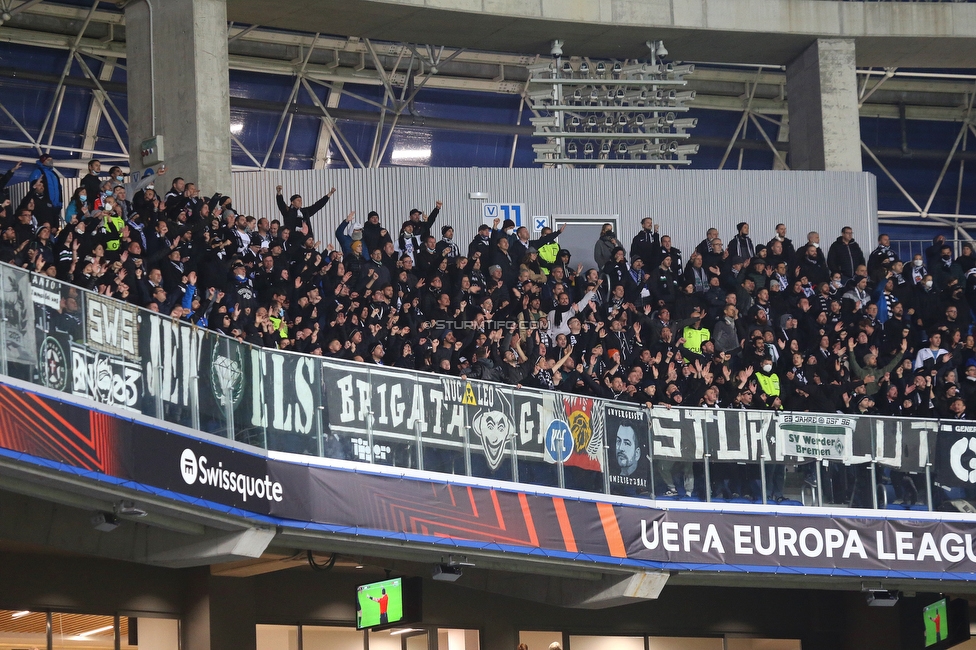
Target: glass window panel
77, 631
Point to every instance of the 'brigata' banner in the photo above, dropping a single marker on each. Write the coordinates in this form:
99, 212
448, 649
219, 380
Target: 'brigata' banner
427, 510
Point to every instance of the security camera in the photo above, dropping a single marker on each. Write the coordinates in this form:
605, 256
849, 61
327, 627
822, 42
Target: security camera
557, 48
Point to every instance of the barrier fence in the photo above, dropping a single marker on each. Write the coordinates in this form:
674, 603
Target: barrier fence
110, 352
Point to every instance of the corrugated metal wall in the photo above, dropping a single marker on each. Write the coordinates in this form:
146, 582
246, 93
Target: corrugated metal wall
686, 202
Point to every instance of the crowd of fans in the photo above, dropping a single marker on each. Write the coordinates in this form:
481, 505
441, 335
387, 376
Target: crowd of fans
733, 322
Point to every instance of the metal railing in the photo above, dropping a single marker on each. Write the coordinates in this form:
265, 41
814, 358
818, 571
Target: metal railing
110, 352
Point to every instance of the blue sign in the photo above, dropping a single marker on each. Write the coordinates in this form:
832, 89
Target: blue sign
559, 442
514, 211
538, 223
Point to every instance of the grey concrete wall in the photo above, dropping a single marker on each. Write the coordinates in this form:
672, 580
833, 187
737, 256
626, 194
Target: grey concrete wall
187, 69
821, 86
916, 34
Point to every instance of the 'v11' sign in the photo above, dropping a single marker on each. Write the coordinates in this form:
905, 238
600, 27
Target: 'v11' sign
514, 211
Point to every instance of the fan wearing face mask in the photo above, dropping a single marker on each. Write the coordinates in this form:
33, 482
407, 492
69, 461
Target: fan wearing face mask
767, 379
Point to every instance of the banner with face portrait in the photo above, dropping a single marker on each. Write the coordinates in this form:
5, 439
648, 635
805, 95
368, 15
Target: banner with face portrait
628, 461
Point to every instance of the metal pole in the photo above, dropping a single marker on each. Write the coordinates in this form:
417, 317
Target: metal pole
194, 402
420, 446
928, 484
518, 122
320, 447
650, 451
3, 337
467, 452
708, 479
874, 485
159, 393
819, 485
762, 471
229, 402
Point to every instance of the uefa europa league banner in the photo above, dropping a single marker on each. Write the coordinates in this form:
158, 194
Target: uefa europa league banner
438, 511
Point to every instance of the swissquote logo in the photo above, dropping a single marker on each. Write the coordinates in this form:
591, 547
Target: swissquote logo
197, 469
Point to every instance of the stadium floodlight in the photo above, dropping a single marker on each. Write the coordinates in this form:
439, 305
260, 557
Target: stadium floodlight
682, 70
617, 67
667, 68
605, 148
588, 149
594, 95
584, 68
668, 95
591, 121
685, 149
669, 118
620, 94
639, 149
686, 123
608, 121
684, 96
577, 95
551, 121
571, 149
575, 122
639, 120
567, 68
622, 148
548, 148
622, 120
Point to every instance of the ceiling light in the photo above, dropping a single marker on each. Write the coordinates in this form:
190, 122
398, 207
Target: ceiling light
97, 630
20, 614
403, 631
359, 566
410, 154
236, 127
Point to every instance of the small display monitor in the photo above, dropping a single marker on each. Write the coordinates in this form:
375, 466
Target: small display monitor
397, 601
946, 623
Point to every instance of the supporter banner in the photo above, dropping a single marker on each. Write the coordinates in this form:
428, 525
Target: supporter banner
111, 327
223, 373
45, 291
629, 463
171, 358
394, 406
956, 453
284, 392
18, 323
902, 443
105, 379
